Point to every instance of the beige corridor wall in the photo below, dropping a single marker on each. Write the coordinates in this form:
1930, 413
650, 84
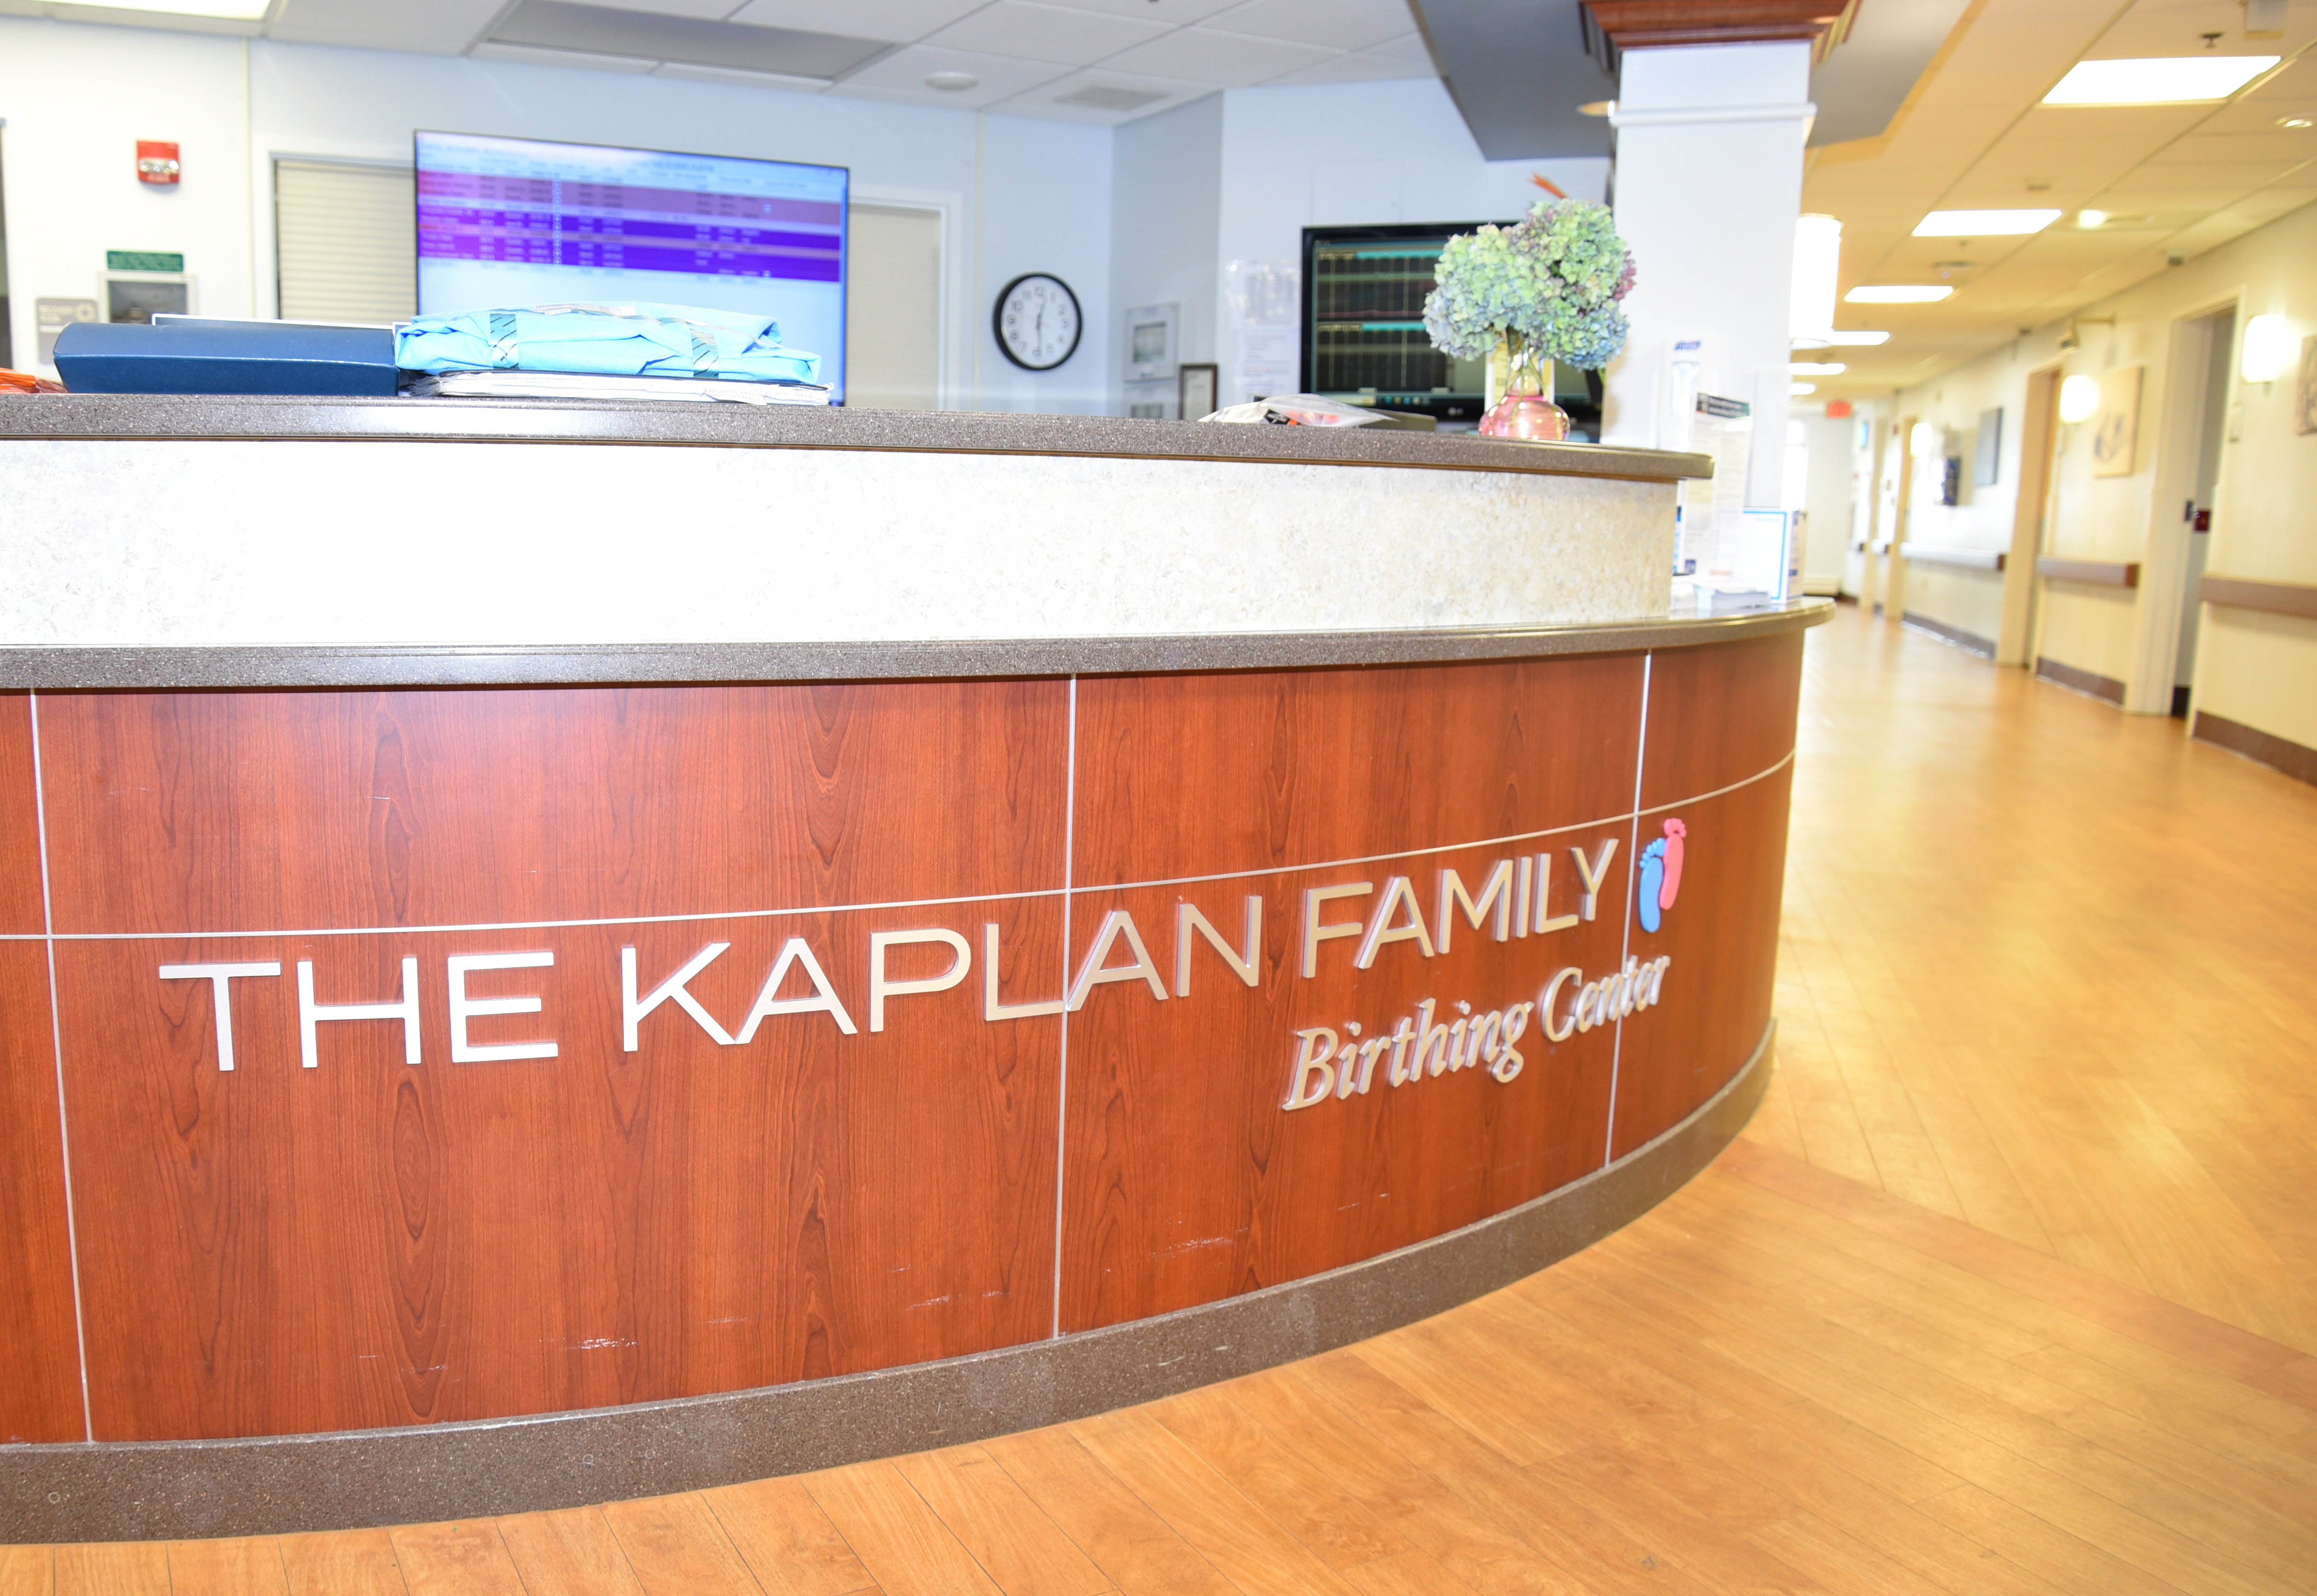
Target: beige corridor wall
2258, 670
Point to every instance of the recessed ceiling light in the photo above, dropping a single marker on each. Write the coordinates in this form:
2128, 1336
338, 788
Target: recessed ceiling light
2167, 80
2092, 218
1800, 389
1815, 368
951, 82
1899, 294
1983, 224
1858, 340
236, 11
2295, 122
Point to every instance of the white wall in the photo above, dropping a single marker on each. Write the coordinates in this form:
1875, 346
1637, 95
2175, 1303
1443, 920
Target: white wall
2259, 670
1354, 154
1956, 597
1166, 187
1016, 195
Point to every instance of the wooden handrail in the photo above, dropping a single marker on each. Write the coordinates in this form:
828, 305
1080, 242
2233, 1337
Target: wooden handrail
2099, 573
2270, 598
1946, 553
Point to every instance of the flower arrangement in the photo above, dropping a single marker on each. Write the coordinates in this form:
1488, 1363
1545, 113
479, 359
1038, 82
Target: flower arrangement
1547, 287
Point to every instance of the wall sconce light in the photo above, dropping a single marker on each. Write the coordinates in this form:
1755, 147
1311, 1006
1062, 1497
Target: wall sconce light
1923, 442
2079, 398
2267, 348
1817, 263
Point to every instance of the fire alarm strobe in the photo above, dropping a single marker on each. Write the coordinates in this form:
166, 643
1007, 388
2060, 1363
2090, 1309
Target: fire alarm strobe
156, 162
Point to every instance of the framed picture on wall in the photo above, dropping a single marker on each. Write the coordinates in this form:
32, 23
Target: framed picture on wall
2304, 406
1199, 381
2115, 426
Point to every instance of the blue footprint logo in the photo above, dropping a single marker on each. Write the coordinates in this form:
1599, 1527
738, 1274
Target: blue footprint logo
1652, 883
1661, 871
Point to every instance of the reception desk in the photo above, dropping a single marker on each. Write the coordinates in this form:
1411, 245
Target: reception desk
554, 953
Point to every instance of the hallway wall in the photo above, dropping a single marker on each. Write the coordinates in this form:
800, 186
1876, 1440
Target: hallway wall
2255, 669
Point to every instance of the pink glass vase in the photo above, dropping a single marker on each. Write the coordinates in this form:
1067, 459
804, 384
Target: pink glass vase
1526, 410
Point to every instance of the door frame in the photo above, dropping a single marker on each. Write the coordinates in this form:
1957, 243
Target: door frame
2031, 515
955, 319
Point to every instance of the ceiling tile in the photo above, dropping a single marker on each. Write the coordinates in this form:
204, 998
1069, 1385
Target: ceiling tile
1409, 47
1046, 33
902, 76
1047, 100
896, 21
1355, 66
1231, 60
1344, 24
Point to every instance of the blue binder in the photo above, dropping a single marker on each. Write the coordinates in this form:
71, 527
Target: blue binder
194, 356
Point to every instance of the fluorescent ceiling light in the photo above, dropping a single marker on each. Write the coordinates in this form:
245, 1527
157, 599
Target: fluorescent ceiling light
238, 11
1983, 224
2166, 80
1815, 368
1800, 389
2092, 218
1857, 340
1899, 294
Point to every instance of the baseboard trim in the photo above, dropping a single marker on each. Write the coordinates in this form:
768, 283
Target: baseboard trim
360, 1479
1969, 642
2091, 683
2279, 754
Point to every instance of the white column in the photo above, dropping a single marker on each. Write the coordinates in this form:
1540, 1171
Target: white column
1709, 181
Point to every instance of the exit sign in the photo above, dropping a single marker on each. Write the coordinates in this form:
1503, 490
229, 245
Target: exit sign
142, 260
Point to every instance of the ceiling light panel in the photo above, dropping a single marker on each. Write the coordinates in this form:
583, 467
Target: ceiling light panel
435, 27
895, 22
558, 24
231, 11
1346, 24
1228, 60
1046, 33
1983, 224
2158, 80
1897, 294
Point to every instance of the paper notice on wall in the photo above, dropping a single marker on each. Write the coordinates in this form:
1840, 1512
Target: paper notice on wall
1712, 512
1262, 300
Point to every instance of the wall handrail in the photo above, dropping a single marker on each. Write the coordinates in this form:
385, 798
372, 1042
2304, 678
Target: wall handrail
2098, 573
1948, 554
2270, 598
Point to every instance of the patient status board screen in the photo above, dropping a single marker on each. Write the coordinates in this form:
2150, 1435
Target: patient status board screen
508, 223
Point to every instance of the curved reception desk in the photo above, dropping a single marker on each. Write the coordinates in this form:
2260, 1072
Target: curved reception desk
554, 953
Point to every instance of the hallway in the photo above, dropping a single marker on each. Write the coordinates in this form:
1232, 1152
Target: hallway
2011, 1286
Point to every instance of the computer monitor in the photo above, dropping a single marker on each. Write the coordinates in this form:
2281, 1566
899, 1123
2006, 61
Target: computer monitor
510, 222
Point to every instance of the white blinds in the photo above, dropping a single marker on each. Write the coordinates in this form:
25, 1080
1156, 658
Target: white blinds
345, 241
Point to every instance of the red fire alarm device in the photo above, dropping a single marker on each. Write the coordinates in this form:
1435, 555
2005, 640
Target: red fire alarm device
1838, 409
156, 162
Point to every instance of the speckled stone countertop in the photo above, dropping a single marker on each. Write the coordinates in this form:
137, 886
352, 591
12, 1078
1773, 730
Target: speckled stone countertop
753, 426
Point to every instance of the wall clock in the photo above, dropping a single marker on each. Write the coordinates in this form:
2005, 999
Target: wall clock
1037, 321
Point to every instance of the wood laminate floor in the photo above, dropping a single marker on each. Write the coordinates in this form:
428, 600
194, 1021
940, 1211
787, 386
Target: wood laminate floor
2011, 1287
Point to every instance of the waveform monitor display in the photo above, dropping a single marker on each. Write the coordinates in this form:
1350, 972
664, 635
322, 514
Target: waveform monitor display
504, 223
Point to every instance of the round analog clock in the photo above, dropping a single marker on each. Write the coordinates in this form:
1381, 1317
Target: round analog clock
1037, 321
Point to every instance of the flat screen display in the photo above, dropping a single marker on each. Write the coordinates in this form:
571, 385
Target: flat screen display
510, 222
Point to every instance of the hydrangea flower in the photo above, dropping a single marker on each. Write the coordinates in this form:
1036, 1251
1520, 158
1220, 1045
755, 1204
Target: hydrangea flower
1552, 281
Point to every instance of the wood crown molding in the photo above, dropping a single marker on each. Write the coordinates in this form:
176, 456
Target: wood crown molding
1644, 24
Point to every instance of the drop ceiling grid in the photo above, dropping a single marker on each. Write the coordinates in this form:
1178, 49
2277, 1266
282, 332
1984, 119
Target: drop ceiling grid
2160, 161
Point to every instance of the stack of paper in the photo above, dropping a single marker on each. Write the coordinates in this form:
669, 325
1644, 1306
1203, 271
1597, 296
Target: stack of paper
584, 385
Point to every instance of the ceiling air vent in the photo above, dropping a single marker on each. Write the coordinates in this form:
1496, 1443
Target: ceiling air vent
601, 30
1103, 97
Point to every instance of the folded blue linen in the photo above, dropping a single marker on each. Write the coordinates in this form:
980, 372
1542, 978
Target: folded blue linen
605, 340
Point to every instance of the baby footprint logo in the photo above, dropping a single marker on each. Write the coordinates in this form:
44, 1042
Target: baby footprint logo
1661, 871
